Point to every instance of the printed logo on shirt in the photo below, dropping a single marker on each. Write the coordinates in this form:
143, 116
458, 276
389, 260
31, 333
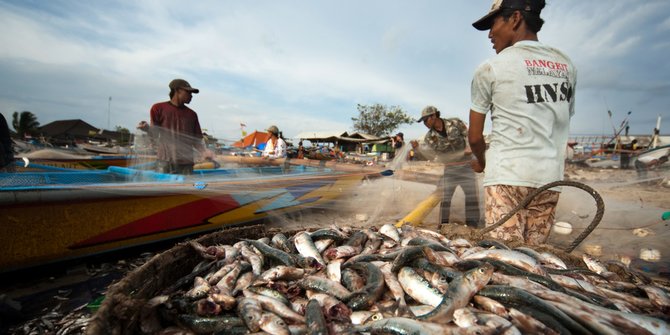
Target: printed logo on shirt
538, 67
553, 92
549, 92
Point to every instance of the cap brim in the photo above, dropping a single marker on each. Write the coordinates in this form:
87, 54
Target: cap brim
193, 90
486, 21
421, 119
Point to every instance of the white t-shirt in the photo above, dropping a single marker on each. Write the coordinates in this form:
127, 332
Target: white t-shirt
529, 88
275, 151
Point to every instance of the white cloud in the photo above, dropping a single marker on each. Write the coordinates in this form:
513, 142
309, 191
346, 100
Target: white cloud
302, 65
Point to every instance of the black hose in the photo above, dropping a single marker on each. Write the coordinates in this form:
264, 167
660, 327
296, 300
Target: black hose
600, 205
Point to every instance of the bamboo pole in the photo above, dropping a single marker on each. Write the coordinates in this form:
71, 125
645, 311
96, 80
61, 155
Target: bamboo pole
419, 213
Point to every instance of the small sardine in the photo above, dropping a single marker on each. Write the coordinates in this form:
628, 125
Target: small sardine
460, 291
316, 322
306, 248
250, 309
278, 255
200, 289
343, 251
512, 257
490, 305
400, 325
594, 264
253, 258
273, 324
361, 317
390, 231
213, 324
282, 272
276, 306
323, 244
213, 277
528, 324
333, 270
243, 281
373, 289
418, 288
658, 297
281, 242
333, 309
325, 285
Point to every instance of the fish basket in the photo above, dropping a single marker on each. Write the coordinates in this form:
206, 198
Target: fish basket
120, 310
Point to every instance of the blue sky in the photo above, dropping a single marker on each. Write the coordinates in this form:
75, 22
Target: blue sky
305, 65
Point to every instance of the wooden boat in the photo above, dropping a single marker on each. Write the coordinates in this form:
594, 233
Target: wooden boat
53, 216
654, 153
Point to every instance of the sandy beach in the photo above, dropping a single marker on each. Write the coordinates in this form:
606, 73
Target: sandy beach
631, 222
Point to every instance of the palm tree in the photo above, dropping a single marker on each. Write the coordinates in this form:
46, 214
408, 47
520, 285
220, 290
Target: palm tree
25, 123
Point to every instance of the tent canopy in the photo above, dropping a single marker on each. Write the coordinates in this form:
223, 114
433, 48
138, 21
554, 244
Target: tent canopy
252, 140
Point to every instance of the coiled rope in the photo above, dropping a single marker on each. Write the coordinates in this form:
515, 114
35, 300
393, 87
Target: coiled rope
600, 210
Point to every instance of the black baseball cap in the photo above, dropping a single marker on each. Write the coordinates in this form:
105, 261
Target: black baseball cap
531, 6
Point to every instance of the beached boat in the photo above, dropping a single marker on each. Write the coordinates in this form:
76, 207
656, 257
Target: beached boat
654, 153
100, 162
53, 216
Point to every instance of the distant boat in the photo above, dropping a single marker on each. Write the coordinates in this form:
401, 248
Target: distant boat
655, 153
102, 149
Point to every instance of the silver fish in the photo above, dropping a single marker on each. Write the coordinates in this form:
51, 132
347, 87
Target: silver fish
398, 325
512, 257
418, 288
273, 324
250, 309
461, 290
276, 306
390, 231
305, 246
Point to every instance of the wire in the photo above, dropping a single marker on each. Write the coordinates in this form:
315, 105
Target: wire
600, 205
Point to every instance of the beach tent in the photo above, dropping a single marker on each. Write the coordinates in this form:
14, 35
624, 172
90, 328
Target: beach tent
252, 140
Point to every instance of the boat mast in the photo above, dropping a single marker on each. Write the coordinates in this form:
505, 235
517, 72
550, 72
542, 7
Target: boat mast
657, 131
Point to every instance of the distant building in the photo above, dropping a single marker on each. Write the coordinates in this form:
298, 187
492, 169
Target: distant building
71, 132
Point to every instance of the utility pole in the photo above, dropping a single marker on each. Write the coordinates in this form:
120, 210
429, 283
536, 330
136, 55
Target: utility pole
109, 109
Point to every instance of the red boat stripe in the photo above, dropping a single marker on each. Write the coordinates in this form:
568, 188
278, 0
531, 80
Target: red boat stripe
184, 216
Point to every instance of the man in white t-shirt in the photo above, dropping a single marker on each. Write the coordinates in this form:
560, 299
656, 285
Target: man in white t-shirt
529, 89
275, 146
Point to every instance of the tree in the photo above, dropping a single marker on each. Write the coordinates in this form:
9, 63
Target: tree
125, 135
379, 120
25, 123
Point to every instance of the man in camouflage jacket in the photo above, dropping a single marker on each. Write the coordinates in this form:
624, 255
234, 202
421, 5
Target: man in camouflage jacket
446, 143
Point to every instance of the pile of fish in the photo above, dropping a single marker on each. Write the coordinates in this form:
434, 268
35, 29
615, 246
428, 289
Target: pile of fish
401, 281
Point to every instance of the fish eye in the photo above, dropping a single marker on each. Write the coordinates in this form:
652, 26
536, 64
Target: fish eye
280, 322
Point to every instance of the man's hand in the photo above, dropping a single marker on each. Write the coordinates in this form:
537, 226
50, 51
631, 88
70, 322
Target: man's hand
477, 166
143, 125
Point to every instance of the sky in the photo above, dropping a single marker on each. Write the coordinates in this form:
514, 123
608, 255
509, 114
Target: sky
305, 65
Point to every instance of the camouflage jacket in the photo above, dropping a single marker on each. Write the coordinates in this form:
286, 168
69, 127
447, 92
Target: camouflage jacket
445, 149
